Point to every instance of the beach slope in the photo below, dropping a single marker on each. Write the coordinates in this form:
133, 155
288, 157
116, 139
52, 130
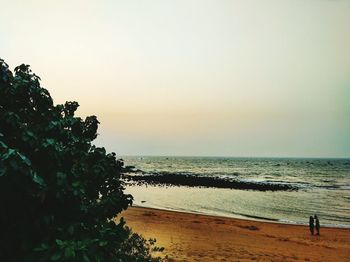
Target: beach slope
193, 237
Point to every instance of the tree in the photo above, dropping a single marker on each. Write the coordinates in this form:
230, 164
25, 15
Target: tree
58, 192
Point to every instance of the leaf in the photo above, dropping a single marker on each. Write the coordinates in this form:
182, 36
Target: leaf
69, 252
53, 124
2, 171
59, 242
102, 243
9, 153
49, 142
29, 136
71, 230
76, 184
25, 159
86, 258
37, 179
56, 256
61, 178
3, 145
42, 247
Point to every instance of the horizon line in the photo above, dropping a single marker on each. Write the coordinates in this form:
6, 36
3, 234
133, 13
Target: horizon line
227, 156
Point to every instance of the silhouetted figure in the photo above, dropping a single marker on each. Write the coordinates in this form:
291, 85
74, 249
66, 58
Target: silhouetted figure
311, 225
317, 222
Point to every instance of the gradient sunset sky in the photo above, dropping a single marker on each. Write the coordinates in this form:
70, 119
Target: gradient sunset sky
213, 78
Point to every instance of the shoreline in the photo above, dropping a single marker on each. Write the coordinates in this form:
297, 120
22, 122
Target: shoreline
241, 217
199, 237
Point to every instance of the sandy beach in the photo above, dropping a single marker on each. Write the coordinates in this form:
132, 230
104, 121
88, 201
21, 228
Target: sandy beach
194, 237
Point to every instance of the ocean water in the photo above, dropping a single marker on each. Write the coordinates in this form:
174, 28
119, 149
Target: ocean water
323, 188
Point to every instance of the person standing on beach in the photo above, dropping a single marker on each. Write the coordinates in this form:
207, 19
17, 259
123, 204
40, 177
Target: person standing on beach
317, 225
311, 225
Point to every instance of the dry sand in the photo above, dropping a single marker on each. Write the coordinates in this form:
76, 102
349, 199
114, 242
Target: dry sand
193, 237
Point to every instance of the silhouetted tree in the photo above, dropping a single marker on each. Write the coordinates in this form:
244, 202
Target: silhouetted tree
58, 192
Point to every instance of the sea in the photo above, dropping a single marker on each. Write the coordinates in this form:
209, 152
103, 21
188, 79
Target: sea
323, 188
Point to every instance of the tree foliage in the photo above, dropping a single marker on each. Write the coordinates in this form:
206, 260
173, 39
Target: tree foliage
58, 192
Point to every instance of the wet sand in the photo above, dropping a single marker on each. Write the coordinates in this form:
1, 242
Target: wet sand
193, 237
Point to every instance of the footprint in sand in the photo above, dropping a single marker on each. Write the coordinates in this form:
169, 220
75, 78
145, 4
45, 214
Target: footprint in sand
219, 221
284, 239
149, 214
252, 228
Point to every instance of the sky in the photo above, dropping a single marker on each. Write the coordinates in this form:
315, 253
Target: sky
194, 78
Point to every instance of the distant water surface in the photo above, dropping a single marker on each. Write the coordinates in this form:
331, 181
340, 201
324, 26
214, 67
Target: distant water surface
323, 188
